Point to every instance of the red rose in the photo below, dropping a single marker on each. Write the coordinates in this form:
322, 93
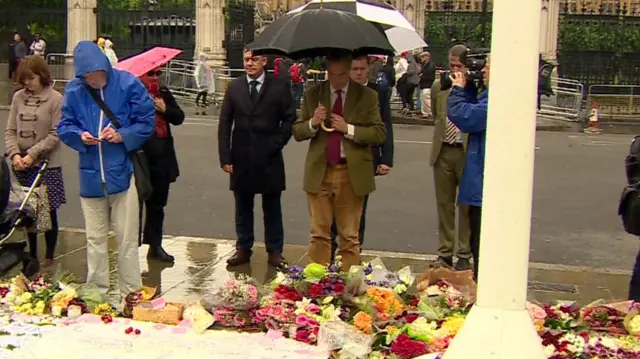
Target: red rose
284, 292
414, 301
315, 290
410, 318
303, 335
339, 288
406, 348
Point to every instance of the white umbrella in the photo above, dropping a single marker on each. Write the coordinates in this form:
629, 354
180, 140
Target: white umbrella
401, 34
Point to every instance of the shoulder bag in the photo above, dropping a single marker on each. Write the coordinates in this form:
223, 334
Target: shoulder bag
138, 158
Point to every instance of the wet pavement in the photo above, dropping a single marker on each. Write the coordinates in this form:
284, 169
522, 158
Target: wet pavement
201, 265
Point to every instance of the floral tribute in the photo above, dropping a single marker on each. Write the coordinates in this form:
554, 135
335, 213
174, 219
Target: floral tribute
368, 312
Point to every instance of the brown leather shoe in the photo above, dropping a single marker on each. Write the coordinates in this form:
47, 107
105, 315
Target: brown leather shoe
240, 257
276, 260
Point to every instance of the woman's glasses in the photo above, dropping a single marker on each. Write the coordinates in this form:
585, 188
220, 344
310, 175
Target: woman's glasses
154, 73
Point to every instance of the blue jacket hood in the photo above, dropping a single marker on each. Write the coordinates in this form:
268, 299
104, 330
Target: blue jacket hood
87, 57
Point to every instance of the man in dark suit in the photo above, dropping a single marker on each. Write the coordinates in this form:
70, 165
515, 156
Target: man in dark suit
259, 108
382, 154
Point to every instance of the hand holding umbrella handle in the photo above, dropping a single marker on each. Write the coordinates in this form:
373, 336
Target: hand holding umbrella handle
327, 126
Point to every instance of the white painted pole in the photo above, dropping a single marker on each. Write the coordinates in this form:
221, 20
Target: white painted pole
498, 326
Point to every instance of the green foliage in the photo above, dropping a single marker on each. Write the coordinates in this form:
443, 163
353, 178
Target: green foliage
145, 4
599, 33
465, 25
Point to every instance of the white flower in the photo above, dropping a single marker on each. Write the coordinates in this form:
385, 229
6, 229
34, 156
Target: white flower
330, 313
400, 288
575, 343
549, 350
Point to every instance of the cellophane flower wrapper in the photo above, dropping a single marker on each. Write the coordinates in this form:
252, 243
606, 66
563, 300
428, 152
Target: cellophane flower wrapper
632, 320
601, 317
336, 335
238, 294
90, 295
199, 318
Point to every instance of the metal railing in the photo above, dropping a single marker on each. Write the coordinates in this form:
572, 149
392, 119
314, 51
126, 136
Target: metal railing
60, 70
615, 102
566, 103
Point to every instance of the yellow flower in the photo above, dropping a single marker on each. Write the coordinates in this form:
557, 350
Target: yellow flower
363, 322
452, 325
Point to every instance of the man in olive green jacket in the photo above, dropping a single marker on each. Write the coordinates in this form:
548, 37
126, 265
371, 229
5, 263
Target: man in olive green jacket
338, 168
448, 155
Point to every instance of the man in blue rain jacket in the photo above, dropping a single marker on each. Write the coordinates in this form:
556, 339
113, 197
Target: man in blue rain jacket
107, 188
468, 111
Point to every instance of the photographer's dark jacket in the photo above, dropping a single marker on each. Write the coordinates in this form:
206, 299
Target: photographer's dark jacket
469, 113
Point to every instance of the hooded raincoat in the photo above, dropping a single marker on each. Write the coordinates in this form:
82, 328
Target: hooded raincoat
105, 168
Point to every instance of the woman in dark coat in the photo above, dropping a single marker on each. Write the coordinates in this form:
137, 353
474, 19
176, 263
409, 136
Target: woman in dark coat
163, 163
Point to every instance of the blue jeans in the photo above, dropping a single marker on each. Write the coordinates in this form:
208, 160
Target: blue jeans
272, 217
634, 286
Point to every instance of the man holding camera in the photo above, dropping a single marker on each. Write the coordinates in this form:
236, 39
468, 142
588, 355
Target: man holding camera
467, 109
447, 160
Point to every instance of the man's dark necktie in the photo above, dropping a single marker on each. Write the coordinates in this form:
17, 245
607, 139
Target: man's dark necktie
253, 92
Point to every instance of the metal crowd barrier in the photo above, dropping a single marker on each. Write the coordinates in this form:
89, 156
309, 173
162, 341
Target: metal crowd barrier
566, 103
615, 102
60, 74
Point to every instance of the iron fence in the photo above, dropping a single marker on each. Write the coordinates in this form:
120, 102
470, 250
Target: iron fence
567, 102
615, 102
240, 29
50, 22
135, 31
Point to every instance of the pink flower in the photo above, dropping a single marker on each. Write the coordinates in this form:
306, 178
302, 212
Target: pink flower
302, 321
239, 320
536, 312
313, 323
313, 309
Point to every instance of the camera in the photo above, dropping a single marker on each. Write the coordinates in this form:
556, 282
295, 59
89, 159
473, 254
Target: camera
474, 61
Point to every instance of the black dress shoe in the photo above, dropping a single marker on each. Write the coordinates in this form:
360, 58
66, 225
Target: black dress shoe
158, 253
277, 260
446, 262
463, 264
240, 257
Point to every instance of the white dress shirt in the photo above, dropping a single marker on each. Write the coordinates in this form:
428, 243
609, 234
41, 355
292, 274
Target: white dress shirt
260, 80
350, 128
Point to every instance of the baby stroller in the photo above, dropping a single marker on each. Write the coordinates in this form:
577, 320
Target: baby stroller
16, 213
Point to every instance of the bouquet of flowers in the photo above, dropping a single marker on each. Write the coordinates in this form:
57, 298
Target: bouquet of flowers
443, 300
232, 318
603, 318
276, 315
563, 316
236, 294
30, 297
314, 281
378, 305
632, 320
572, 345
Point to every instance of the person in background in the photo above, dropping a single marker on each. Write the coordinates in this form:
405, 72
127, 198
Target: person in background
296, 72
30, 137
108, 50
38, 46
204, 82
19, 49
427, 77
401, 80
338, 170
163, 162
382, 154
468, 111
255, 124
413, 79
447, 159
108, 194
100, 42
382, 73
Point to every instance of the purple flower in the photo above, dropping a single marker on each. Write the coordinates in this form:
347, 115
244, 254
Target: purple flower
368, 269
295, 272
334, 268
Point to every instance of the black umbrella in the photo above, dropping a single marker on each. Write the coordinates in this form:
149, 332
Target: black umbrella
317, 32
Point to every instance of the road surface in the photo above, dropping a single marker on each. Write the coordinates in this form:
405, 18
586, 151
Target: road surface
578, 180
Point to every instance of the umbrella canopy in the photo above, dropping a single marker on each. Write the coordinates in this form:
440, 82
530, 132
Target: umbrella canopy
148, 60
316, 32
402, 35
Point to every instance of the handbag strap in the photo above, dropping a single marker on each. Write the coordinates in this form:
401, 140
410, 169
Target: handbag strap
103, 106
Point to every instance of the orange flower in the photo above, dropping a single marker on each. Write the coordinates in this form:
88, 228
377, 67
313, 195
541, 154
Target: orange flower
385, 302
363, 322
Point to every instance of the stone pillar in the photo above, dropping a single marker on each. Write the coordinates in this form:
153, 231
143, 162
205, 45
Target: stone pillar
549, 24
81, 25
210, 31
